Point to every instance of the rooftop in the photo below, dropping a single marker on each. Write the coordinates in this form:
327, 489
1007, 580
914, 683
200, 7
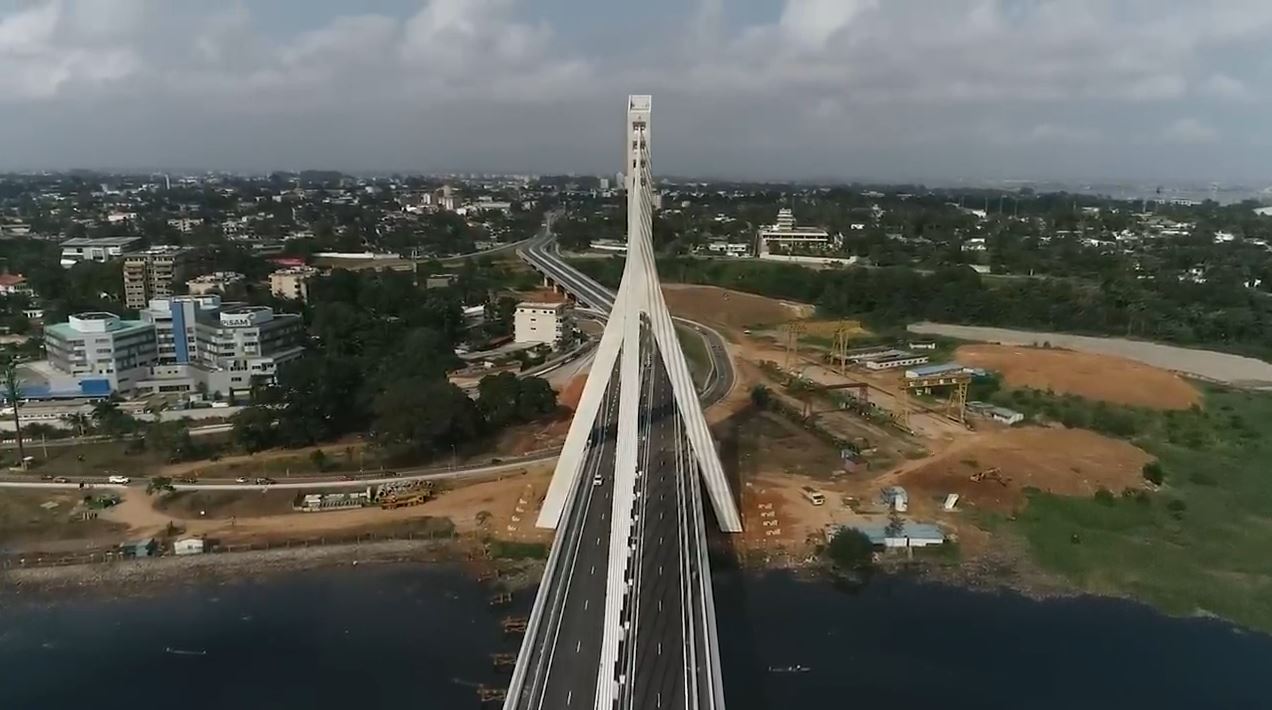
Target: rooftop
542, 304
100, 242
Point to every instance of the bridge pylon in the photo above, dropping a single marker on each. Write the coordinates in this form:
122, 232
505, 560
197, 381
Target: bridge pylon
639, 300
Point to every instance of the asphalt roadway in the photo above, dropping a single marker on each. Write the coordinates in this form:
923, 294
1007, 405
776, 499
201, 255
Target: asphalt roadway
564, 652
662, 660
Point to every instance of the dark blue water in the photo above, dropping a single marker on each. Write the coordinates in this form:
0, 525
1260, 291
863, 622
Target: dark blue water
412, 636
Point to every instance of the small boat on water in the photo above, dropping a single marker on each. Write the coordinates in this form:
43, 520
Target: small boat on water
789, 669
180, 652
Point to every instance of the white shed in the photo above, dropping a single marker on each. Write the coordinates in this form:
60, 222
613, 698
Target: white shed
188, 546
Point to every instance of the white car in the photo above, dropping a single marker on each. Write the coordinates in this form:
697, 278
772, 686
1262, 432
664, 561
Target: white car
596, 480
121, 480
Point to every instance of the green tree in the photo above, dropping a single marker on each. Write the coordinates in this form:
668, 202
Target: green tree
159, 484
172, 439
423, 417
253, 429
850, 550
761, 396
80, 421
111, 420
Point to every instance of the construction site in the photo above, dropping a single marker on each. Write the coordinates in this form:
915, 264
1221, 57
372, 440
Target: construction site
854, 416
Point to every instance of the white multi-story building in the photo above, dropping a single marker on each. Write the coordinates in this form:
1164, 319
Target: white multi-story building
215, 282
538, 322
103, 249
784, 234
226, 347
98, 353
292, 282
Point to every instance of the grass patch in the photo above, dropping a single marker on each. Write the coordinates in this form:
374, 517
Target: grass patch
696, 355
1199, 544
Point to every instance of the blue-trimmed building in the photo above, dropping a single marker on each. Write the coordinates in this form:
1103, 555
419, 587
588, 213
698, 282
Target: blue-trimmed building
95, 354
180, 344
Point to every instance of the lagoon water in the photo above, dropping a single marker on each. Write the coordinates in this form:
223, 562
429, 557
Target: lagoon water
412, 636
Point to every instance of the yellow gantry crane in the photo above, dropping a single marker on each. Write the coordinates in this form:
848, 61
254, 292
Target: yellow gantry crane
791, 334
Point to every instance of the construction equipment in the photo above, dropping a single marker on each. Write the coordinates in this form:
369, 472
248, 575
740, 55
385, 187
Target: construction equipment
393, 495
956, 405
792, 332
990, 474
861, 395
839, 344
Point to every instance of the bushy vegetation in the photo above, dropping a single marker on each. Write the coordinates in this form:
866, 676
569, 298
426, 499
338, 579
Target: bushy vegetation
1200, 543
1224, 315
382, 348
850, 550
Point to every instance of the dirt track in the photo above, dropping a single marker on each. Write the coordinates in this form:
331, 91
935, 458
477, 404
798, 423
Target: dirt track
1099, 377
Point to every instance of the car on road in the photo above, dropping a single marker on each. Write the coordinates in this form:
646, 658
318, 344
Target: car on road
46, 477
61, 479
596, 480
187, 479
120, 480
265, 481
240, 479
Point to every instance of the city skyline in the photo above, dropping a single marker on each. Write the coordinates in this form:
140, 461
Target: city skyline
971, 90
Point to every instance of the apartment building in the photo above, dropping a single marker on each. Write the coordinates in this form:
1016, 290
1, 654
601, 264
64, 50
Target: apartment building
151, 274
215, 282
538, 322
292, 282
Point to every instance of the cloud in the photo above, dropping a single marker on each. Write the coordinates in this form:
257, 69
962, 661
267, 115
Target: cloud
799, 87
42, 54
1188, 130
1222, 86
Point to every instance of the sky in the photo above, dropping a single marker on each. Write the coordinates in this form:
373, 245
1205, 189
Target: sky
885, 90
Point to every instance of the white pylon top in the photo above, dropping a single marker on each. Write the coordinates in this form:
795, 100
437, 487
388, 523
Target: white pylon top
639, 294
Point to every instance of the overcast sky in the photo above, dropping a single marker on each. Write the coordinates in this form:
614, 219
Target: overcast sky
1168, 90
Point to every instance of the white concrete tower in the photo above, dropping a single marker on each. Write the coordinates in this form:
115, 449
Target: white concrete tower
639, 295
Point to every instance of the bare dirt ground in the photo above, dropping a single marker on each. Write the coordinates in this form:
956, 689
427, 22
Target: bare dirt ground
1094, 376
1072, 462
31, 516
730, 309
509, 503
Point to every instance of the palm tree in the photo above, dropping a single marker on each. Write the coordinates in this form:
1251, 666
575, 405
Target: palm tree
80, 421
12, 394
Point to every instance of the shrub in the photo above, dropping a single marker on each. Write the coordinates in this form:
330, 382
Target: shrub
1176, 508
850, 550
1153, 473
1202, 478
1105, 496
